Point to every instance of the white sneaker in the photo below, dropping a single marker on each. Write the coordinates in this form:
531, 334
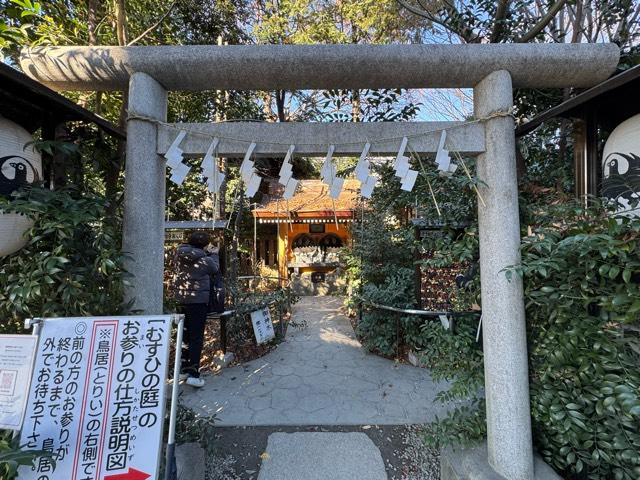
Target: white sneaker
183, 376
195, 382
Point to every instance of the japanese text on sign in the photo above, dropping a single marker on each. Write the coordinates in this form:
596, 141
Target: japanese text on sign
262, 325
96, 401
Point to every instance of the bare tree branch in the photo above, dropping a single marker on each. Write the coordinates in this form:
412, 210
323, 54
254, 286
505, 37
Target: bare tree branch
154, 26
416, 11
577, 23
589, 22
422, 4
632, 21
465, 33
628, 19
92, 7
542, 23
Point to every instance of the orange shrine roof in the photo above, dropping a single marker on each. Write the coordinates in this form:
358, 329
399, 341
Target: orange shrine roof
311, 200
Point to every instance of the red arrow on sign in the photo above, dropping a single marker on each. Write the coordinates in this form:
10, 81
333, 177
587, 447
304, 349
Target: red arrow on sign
132, 474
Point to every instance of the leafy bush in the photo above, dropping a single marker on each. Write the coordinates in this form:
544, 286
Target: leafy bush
581, 277
456, 356
12, 457
71, 265
380, 269
581, 273
382, 330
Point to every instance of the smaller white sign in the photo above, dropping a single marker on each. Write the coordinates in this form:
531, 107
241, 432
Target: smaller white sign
174, 153
362, 170
179, 172
286, 172
328, 172
174, 235
285, 169
16, 361
402, 167
215, 183
246, 170
208, 164
262, 325
403, 147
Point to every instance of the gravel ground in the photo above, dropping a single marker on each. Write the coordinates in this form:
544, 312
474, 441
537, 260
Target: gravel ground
236, 451
418, 461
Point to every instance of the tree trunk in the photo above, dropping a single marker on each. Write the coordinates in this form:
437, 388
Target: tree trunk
266, 107
121, 21
355, 106
113, 173
280, 98
91, 21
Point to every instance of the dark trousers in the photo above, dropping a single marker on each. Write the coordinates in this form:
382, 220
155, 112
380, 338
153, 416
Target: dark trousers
195, 318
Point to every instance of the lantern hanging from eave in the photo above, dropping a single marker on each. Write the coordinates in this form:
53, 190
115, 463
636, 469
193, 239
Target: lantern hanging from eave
621, 166
20, 166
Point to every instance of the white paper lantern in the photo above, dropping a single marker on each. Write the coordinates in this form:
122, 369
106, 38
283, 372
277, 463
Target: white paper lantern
621, 165
19, 166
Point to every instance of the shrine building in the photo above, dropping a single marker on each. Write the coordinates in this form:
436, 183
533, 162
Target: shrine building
310, 228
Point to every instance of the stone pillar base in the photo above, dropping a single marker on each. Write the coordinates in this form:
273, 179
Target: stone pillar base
472, 464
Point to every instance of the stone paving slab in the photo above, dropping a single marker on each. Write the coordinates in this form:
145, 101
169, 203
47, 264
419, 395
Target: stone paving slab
321, 456
190, 461
320, 375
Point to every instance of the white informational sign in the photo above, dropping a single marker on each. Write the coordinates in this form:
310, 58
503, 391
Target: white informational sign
262, 325
97, 398
16, 358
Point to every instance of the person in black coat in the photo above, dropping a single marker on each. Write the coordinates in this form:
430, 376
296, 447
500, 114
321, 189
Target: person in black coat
193, 284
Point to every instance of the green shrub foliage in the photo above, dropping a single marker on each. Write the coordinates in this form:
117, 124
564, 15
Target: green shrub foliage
381, 268
581, 276
581, 273
13, 457
71, 265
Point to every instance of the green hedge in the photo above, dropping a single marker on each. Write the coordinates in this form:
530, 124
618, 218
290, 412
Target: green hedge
72, 264
581, 272
582, 287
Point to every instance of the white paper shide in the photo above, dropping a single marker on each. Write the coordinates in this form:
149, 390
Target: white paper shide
174, 155
402, 167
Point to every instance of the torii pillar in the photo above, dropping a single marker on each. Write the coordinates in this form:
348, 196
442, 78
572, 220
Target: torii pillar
144, 196
504, 333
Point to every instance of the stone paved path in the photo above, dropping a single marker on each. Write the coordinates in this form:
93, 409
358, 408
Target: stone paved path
319, 376
322, 456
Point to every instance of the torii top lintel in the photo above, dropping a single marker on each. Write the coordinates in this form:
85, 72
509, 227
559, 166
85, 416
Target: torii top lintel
296, 67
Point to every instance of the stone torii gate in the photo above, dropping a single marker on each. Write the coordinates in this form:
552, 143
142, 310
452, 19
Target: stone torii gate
491, 70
